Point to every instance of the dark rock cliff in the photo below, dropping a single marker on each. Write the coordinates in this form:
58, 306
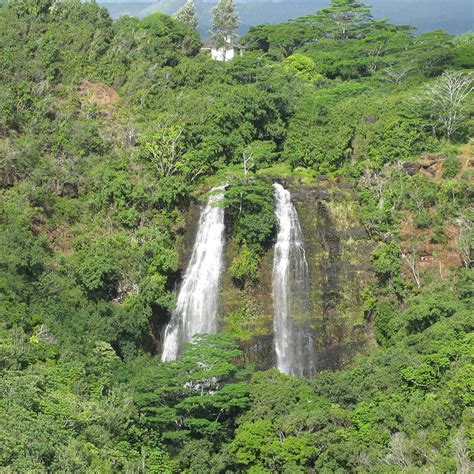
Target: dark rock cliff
338, 255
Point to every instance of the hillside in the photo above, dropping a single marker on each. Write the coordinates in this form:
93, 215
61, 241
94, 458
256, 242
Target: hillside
263, 265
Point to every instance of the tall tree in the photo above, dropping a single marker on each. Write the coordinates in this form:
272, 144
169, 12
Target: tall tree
225, 23
343, 19
187, 14
203, 392
447, 101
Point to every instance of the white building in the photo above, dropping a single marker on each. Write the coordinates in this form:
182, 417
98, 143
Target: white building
228, 52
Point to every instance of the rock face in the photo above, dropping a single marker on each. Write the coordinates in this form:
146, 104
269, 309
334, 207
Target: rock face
338, 255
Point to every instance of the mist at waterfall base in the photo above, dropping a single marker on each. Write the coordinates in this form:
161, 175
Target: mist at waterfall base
197, 305
294, 345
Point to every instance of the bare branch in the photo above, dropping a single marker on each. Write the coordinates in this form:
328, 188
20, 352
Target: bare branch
396, 75
411, 258
465, 229
447, 98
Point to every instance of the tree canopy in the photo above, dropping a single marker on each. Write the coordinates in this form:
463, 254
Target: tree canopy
111, 135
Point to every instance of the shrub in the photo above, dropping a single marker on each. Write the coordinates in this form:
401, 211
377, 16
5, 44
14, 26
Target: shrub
385, 323
250, 208
451, 167
245, 266
423, 219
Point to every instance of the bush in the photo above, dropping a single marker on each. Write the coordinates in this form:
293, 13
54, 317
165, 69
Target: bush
386, 260
427, 309
250, 208
245, 266
98, 262
451, 167
423, 219
301, 66
385, 323
171, 191
97, 269
255, 229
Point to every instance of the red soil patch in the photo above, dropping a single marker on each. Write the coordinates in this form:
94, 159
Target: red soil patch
97, 93
429, 257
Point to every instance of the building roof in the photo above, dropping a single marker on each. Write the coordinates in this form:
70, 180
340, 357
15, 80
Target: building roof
209, 44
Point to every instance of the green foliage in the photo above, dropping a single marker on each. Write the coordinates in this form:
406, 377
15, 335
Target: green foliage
343, 19
257, 447
250, 205
385, 323
434, 51
22, 251
168, 33
451, 167
204, 390
96, 268
428, 309
125, 196
386, 260
171, 191
279, 40
244, 267
278, 432
93, 194
301, 66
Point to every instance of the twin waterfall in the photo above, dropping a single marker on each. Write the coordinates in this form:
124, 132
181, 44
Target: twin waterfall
197, 305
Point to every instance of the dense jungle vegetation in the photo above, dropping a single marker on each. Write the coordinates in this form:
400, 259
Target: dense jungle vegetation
110, 129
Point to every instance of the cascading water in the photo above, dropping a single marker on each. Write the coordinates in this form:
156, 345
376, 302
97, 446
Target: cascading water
294, 345
197, 305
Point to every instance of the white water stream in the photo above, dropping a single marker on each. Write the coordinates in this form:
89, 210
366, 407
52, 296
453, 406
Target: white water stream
294, 345
197, 304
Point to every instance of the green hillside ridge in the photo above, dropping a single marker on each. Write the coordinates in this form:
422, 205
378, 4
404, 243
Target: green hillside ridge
112, 133
425, 15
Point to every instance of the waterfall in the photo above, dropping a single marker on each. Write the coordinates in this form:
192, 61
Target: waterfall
197, 304
294, 345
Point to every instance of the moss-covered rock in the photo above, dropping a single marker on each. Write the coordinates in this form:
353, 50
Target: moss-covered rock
338, 255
